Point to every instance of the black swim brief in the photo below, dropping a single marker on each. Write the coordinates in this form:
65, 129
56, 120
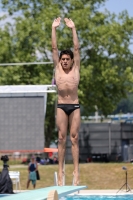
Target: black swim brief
68, 108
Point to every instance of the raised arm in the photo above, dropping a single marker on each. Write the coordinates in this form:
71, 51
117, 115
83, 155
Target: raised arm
71, 25
55, 24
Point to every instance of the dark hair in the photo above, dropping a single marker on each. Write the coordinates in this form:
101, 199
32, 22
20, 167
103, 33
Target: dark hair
66, 52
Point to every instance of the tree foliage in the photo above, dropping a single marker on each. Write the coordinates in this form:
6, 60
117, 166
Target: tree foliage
125, 105
106, 67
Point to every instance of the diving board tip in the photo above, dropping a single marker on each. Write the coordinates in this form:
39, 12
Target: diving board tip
53, 195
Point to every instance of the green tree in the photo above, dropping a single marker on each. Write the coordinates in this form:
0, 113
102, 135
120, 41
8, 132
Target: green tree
106, 67
125, 105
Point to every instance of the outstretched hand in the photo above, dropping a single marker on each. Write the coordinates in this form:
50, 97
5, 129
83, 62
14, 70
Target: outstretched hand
69, 23
56, 22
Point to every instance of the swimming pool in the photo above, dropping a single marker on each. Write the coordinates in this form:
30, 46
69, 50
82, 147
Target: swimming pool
99, 197
4, 195
92, 197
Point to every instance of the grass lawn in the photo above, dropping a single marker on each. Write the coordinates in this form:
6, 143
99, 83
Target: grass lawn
93, 175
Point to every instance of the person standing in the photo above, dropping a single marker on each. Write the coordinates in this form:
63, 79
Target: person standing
67, 76
32, 168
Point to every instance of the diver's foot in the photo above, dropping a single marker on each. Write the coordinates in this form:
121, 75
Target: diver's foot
60, 179
75, 178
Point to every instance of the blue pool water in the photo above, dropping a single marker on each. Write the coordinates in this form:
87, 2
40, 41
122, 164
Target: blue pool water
99, 197
92, 197
3, 195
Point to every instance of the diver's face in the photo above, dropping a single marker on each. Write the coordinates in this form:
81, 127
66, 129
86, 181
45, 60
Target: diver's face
66, 61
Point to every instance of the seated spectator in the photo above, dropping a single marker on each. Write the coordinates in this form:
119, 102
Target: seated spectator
55, 161
38, 159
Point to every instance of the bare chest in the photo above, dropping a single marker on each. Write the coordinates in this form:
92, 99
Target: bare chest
71, 78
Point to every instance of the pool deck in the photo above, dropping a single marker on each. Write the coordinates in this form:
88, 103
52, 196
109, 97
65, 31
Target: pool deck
98, 192
104, 192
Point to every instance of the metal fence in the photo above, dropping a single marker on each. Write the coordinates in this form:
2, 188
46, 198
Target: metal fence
104, 142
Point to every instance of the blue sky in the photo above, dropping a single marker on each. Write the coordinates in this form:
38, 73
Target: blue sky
117, 6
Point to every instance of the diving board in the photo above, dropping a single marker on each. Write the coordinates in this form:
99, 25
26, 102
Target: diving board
42, 194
